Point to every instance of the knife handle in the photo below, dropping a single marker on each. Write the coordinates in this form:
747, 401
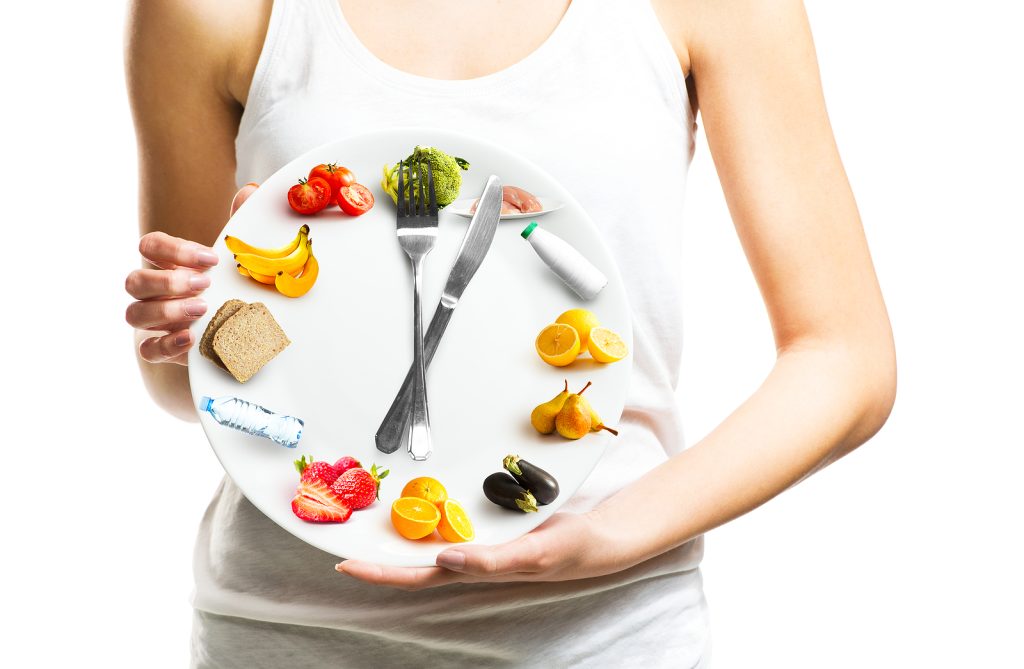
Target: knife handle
394, 427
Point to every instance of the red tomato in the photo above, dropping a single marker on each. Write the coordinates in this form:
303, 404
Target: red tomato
345, 175
334, 174
355, 200
309, 196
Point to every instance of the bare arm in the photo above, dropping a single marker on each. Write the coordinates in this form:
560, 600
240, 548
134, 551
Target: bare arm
833, 383
834, 380
188, 63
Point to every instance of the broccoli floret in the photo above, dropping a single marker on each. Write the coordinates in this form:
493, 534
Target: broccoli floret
446, 171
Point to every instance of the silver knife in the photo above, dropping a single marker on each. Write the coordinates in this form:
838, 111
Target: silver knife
474, 247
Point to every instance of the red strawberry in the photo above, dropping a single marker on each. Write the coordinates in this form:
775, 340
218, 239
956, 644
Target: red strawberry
315, 501
311, 470
358, 487
346, 463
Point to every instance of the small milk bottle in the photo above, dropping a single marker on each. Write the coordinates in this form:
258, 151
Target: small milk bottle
569, 264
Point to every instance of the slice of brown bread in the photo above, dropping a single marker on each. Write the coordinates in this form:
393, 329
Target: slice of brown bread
249, 339
226, 311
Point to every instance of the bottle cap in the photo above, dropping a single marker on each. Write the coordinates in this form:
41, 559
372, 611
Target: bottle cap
526, 233
205, 403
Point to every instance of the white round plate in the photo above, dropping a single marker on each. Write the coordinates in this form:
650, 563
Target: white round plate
352, 346
463, 207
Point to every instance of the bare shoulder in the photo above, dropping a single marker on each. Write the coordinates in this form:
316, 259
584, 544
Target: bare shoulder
701, 30
208, 43
189, 64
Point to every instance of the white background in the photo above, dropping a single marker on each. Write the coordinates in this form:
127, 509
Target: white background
907, 553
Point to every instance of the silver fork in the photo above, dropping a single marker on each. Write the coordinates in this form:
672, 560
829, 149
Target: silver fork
417, 232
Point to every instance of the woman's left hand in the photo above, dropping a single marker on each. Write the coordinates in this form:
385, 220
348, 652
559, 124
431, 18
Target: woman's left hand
566, 546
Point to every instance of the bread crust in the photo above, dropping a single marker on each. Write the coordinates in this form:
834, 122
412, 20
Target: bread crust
226, 311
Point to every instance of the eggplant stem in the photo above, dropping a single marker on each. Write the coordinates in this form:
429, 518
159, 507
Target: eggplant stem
511, 463
528, 504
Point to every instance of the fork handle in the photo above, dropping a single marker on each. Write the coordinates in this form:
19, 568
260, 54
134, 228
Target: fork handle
394, 427
420, 446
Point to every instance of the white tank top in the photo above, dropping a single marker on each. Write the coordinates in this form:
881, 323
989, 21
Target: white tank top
603, 97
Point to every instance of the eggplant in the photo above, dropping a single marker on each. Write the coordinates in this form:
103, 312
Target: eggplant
543, 485
503, 490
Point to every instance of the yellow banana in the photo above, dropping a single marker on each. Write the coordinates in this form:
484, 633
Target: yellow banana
290, 286
236, 245
262, 278
269, 280
271, 266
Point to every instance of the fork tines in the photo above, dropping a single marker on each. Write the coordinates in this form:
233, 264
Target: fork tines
422, 199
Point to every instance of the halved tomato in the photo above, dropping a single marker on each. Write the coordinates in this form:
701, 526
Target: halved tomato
355, 200
309, 195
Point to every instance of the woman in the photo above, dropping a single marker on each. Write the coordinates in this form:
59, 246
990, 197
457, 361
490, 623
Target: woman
595, 91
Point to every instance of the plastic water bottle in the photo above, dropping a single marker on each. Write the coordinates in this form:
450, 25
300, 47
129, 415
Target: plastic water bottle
569, 264
253, 419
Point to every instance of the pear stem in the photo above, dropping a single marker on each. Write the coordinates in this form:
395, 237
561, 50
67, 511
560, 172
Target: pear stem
605, 427
584, 388
566, 389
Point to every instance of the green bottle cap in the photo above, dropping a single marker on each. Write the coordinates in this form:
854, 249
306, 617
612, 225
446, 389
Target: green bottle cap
526, 233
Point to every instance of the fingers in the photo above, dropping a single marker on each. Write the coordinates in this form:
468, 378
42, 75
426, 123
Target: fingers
521, 556
162, 314
144, 284
241, 196
165, 251
514, 561
405, 578
172, 347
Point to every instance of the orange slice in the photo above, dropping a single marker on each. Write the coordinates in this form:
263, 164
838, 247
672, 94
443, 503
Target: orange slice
414, 518
426, 488
455, 525
558, 344
606, 346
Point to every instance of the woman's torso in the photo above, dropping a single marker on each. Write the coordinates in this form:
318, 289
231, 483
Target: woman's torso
600, 102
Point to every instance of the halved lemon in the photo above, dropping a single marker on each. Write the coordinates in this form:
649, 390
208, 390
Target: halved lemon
413, 517
606, 346
454, 525
583, 321
558, 344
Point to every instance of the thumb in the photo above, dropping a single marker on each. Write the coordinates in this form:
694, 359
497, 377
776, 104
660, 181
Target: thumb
241, 196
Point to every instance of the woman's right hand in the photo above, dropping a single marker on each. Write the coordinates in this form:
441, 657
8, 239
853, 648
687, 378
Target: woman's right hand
167, 297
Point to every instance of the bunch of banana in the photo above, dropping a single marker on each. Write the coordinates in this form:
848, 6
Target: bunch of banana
292, 268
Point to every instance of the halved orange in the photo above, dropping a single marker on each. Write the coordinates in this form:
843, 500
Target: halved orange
414, 518
455, 525
426, 488
606, 346
558, 344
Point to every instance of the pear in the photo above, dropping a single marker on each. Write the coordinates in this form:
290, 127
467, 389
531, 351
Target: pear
595, 421
573, 421
543, 417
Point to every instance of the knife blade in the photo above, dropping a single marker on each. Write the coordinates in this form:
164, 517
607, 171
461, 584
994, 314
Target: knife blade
475, 244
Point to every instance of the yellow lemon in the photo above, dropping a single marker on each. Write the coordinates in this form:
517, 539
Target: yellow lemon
583, 321
558, 344
606, 346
